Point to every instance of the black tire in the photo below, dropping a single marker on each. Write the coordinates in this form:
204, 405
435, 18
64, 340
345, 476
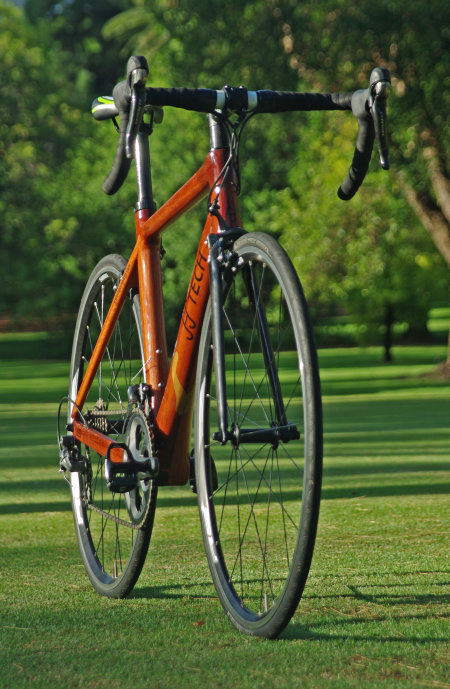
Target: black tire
113, 548
259, 502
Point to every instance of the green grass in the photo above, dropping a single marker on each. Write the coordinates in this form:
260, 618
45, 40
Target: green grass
438, 320
373, 612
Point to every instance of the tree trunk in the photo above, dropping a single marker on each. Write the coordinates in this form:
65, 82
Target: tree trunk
443, 369
434, 215
388, 323
432, 219
448, 352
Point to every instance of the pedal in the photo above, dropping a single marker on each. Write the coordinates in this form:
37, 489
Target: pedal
121, 477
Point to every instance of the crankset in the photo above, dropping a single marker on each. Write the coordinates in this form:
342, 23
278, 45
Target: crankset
138, 463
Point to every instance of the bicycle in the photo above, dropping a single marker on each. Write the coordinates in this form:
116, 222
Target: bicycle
244, 359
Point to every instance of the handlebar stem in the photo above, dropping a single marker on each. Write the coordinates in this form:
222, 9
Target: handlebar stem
143, 171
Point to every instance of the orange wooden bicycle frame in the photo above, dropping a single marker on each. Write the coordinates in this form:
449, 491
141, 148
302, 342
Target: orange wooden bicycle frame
173, 386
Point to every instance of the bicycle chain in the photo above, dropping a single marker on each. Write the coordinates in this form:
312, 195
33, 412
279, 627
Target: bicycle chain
118, 520
99, 422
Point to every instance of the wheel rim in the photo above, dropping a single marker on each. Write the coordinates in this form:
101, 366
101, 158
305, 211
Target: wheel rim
104, 520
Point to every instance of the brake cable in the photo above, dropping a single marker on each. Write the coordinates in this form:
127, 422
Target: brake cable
234, 132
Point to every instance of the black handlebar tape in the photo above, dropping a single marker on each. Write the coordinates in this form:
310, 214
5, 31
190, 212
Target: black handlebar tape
198, 100
286, 101
363, 149
122, 98
121, 164
205, 100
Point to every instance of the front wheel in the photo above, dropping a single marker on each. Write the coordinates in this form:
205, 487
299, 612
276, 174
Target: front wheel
259, 493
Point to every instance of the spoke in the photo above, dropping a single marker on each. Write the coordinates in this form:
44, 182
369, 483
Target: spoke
264, 565
117, 552
113, 389
297, 386
100, 322
224, 499
239, 555
250, 347
245, 358
251, 517
101, 542
289, 456
260, 306
251, 460
283, 515
245, 361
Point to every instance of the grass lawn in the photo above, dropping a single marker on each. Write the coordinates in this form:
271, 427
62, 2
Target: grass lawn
374, 609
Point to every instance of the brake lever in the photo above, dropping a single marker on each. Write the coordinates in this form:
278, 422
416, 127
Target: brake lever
137, 80
379, 88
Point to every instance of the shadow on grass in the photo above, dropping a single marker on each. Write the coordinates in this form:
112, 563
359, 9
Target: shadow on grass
385, 598
311, 632
388, 598
27, 508
333, 493
189, 500
177, 591
372, 466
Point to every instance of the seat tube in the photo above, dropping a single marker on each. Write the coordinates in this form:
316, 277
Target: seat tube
156, 363
152, 313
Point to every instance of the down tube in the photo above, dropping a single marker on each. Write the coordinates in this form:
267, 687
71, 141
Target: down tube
174, 417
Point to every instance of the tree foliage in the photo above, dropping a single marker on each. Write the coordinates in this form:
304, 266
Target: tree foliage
344, 39
370, 256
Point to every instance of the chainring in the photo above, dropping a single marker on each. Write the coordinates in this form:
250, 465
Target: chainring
138, 438
137, 435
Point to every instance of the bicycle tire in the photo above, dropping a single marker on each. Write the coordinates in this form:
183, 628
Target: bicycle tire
259, 502
113, 553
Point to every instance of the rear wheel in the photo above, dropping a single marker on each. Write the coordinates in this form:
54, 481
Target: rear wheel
259, 493
113, 529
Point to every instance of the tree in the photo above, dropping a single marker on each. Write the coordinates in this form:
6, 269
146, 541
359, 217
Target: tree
29, 147
369, 257
412, 40
52, 160
264, 44
89, 59
326, 46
